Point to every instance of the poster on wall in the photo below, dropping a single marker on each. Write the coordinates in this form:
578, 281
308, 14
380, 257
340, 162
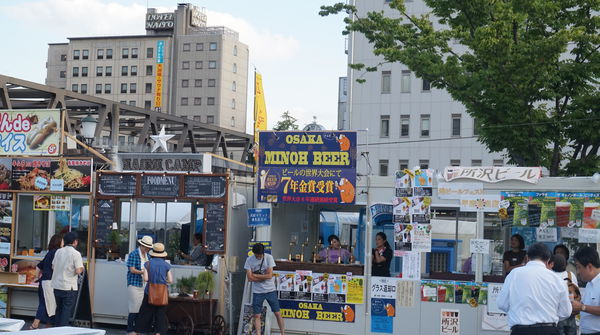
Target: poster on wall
30, 132
31, 174
411, 265
406, 293
355, 294
449, 322
383, 312
307, 167
403, 237
5, 173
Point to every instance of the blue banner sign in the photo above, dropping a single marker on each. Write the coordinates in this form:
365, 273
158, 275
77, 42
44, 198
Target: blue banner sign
313, 167
304, 310
259, 217
160, 51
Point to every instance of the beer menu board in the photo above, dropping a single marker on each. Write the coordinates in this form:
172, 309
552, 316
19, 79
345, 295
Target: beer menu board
160, 186
116, 184
105, 212
205, 186
214, 227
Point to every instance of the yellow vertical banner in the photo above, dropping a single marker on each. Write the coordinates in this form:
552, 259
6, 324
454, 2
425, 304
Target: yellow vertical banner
260, 111
159, 85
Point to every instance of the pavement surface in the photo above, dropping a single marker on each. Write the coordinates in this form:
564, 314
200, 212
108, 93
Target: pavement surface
110, 329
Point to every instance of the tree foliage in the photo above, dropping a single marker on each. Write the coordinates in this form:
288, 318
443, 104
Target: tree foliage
287, 122
527, 70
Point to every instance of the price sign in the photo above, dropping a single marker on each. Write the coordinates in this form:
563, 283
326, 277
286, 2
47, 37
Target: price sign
480, 246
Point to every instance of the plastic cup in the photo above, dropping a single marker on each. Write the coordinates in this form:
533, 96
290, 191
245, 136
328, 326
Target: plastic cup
563, 210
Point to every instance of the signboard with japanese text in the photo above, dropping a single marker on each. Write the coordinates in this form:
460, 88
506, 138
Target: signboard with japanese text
259, 217
383, 287
317, 311
479, 246
458, 190
47, 174
317, 167
450, 322
30, 132
493, 174
158, 81
480, 203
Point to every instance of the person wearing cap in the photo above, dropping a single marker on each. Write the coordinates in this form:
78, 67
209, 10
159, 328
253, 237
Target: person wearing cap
67, 265
153, 319
135, 281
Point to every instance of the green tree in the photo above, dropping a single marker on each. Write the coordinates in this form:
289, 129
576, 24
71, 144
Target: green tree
287, 122
527, 70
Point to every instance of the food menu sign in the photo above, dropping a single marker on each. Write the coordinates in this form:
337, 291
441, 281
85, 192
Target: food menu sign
30, 132
307, 167
45, 174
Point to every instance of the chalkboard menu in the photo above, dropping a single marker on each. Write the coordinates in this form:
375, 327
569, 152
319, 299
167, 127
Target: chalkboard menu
214, 227
204, 186
105, 212
160, 186
116, 184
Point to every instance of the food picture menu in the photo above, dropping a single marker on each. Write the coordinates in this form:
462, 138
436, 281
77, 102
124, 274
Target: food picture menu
318, 287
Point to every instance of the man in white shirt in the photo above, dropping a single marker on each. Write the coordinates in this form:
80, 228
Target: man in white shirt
587, 264
67, 265
534, 298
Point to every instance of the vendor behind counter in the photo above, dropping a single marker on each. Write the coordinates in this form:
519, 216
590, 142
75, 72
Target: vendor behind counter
335, 253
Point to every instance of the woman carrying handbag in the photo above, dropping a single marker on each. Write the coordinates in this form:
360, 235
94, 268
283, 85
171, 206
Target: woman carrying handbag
157, 272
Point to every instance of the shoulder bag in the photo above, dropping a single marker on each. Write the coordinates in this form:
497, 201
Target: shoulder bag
157, 293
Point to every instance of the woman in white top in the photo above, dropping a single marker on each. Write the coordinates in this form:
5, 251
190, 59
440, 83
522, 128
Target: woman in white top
567, 326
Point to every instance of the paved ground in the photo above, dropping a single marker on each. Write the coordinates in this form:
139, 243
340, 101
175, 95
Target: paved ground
110, 329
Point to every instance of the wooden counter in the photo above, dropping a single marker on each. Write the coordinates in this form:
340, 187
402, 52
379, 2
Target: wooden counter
355, 269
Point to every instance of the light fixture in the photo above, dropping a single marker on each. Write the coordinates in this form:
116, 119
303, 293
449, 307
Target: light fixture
596, 178
88, 128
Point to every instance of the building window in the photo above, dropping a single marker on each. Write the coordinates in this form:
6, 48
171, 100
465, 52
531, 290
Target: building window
123, 88
84, 88
198, 83
75, 72
383, 167
212, 82
124, 70
185, 65
149, 52
425, 125
108, 71
186, 47
424, 164
233, 121
98, 88
124, 102
134, 70
233, 86
210, 119
84, 71
455, 124
402, 164
147, 104
212, 46
197, 118
99, 71
498, 162
134, 53
148, 70
476, 162
455, 162
148, 88
405, 83
125, 53
212, 64
476, 127
386, 82
133, 88
184, 101
404, 125
234, 68
109, 53
76, 54
85, 54
199, 46
235, 50
185, 83
63, 58
384, 130
197, 101
426, 85
74, 87
100, 54
62, 74
232, 103
198, 64
107, 88
210, 101
131, 103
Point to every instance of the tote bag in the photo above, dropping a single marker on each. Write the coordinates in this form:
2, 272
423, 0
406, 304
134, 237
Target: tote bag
157, 294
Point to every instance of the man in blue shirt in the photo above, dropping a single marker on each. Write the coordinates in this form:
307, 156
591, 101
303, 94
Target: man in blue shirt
135, 281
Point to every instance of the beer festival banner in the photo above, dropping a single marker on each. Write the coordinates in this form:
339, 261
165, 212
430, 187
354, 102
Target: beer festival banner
317, 167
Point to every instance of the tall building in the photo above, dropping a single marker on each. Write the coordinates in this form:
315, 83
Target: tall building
180, 66
409, 123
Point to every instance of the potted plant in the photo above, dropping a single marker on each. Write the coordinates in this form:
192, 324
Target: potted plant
205, 283
115, 239
186, 285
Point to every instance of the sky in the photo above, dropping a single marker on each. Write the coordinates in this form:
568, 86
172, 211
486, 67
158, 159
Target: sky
300, 54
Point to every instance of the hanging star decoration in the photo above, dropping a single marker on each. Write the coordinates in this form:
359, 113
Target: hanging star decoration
160, 140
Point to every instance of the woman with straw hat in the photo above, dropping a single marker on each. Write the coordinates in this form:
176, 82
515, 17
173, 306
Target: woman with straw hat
135, 281
153, 318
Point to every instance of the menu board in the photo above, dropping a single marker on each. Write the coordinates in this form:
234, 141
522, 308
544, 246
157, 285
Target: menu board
6, 214
116, 184
205, 186
214, 227
104, 220
31, 174
160, 186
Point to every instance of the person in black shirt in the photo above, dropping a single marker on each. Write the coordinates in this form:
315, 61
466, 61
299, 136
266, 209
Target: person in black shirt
516, 256
382, 256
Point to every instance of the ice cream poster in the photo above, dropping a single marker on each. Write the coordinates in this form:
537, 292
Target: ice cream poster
316, 167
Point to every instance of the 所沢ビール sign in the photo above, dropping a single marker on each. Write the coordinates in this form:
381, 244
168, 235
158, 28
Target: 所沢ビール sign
307, 167
30, 132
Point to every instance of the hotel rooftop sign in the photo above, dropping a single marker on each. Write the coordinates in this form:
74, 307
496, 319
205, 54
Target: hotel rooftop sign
160, 21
